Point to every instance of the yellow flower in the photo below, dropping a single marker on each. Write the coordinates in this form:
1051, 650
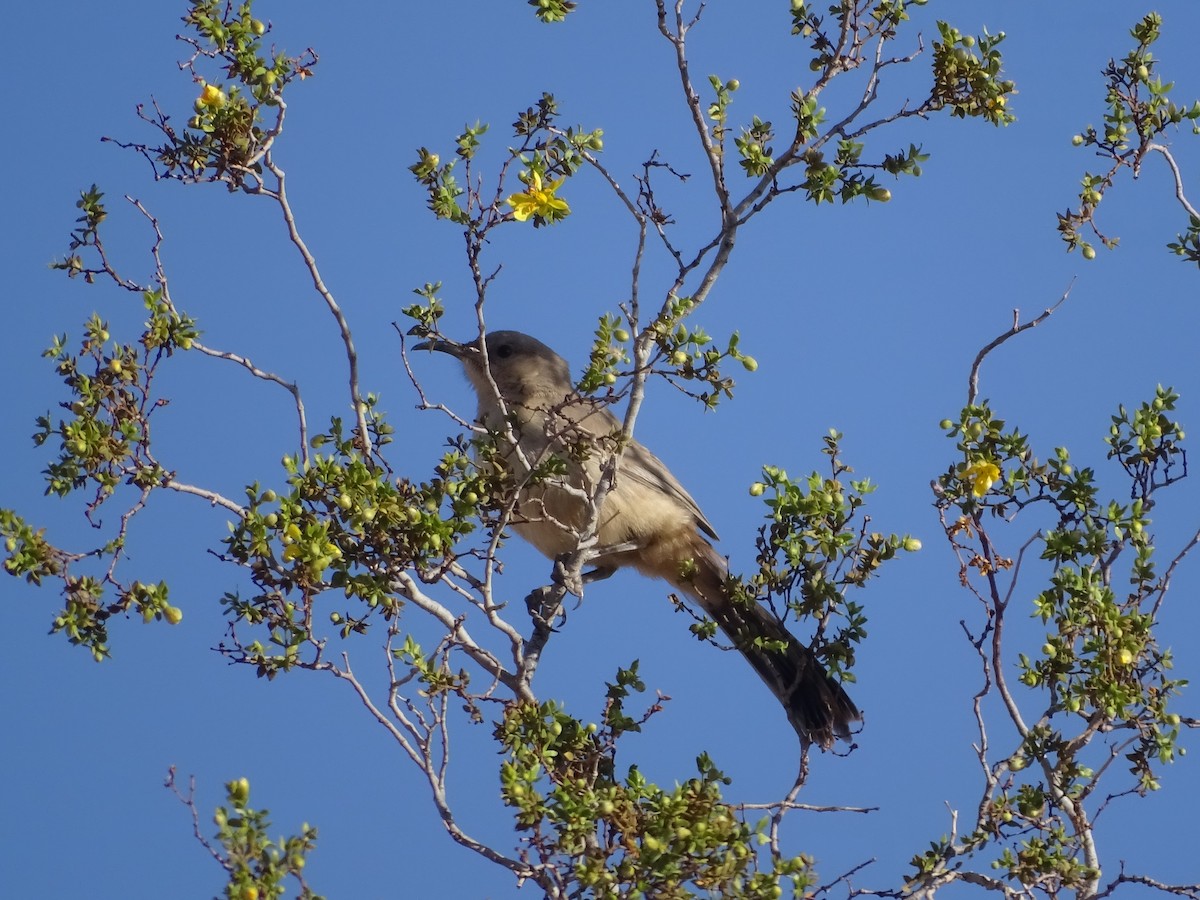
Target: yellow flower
539, 201
212, 97
982, 476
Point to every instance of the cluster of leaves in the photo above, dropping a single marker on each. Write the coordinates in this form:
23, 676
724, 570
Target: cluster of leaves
691, 355
1102, 675
344, 525
552, 10
258, 866
874, 19
593, 834
967, 80
718, 110
103, 443
815, 547
608, 352
848, 177
967, 76
549, 154
226, 136
426, 313
84, 616
87, 234
1140, 111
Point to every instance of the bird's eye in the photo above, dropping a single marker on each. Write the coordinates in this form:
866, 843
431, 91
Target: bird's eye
504, 351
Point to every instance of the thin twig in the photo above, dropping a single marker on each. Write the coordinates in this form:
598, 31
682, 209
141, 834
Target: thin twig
973, 380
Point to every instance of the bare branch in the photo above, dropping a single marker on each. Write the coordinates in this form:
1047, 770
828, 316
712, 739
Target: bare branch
189, 800
712, 153
359, 406
1179, 191
211, 496
973, 380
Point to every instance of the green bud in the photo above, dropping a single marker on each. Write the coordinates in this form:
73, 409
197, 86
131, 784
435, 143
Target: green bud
239, 791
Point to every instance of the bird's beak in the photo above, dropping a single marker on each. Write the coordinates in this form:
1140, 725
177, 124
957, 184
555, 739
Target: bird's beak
443, 346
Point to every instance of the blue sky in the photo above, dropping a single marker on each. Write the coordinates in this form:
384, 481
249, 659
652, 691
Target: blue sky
862, 318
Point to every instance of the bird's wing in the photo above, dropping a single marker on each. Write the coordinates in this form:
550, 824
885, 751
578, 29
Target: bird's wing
640, 465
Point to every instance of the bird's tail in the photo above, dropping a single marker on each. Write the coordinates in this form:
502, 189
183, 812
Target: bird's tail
817, 706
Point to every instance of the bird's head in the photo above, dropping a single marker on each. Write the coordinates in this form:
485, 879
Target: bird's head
524, 369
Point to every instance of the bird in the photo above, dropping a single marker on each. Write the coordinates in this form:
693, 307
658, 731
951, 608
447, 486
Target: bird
648, 521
